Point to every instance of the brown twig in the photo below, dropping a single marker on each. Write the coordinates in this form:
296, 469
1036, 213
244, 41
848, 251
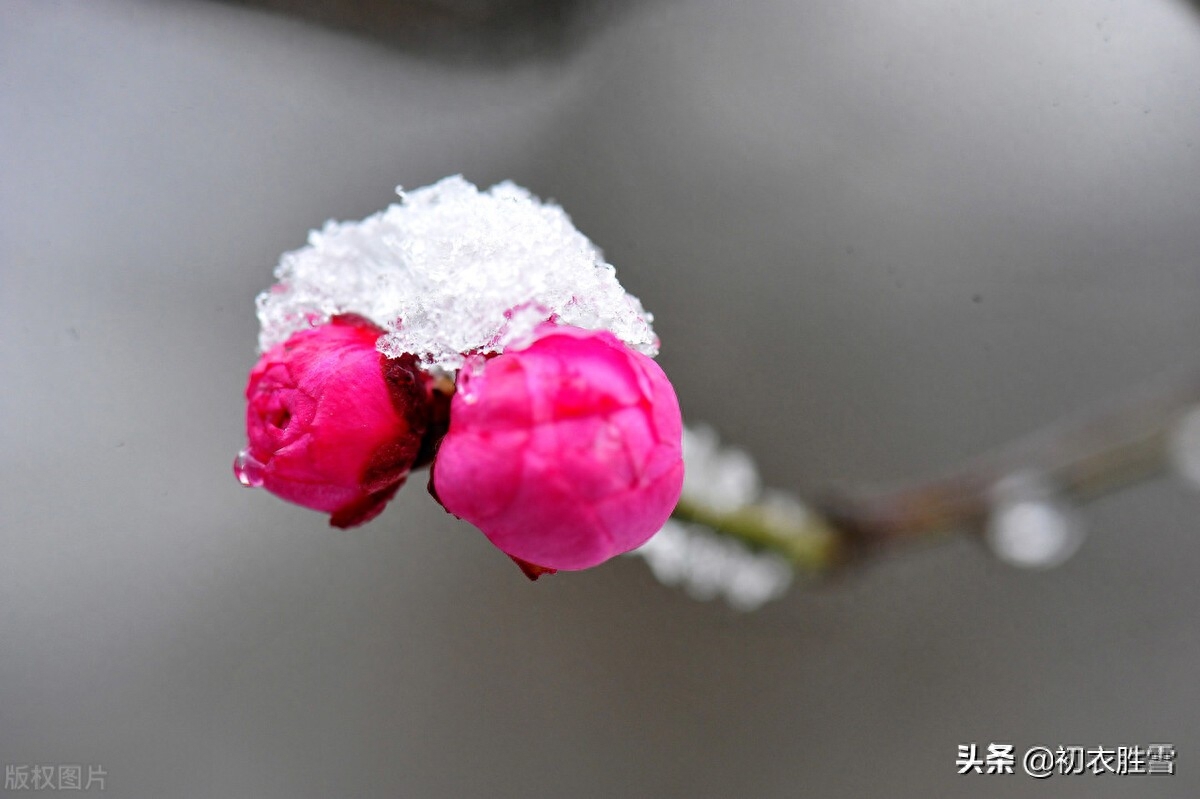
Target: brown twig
1081, 458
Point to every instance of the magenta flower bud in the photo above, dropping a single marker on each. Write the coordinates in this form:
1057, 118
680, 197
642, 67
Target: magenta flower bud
564, 453
332, 424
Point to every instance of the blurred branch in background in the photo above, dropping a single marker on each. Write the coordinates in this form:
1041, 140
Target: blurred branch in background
1022, 500
490, 31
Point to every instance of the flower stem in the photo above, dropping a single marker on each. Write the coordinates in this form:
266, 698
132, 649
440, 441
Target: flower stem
1082, 457
808, 541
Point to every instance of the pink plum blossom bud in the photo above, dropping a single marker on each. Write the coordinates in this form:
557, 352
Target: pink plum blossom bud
564, 453
332, 424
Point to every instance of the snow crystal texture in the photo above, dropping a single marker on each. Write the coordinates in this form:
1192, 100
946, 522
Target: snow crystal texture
451, 270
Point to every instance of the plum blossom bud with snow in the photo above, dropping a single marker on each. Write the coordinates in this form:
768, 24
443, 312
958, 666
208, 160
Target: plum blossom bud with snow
565, 452
332, 424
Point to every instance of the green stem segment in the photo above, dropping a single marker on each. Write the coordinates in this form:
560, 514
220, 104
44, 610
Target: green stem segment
808, 541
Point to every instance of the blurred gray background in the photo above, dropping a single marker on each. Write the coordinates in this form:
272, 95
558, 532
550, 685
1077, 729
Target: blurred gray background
877, 238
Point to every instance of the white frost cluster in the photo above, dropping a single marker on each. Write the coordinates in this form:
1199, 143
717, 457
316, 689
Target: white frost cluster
722, 478
1030, 526
451, 270
707, 564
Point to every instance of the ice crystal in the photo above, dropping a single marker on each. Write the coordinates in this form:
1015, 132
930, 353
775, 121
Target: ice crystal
451, 270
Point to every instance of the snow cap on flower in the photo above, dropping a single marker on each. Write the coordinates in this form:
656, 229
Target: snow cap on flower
565, 452
332, 424
444, 271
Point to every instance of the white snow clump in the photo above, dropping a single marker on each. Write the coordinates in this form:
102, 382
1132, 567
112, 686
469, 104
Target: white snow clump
451, 270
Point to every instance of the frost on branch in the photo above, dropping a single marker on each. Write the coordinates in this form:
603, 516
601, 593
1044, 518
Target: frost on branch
452, 270
708, 565
723, 478
703, 562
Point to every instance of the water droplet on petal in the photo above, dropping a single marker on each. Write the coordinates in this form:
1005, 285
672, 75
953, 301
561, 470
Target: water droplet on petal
1030, 526
248, 470
464, 385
